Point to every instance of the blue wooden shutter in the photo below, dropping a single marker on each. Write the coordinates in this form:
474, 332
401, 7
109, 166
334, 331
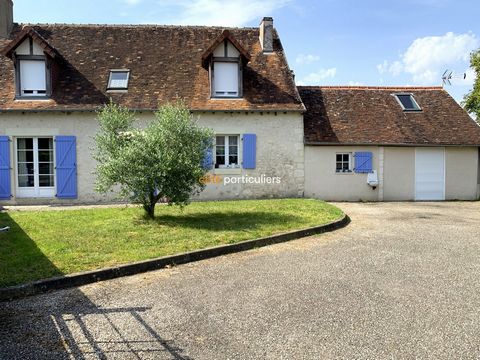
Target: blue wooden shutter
363, 162
249, 151
66, 167
5, 190
207, 162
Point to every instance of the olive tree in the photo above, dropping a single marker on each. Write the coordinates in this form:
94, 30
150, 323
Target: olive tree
163, 160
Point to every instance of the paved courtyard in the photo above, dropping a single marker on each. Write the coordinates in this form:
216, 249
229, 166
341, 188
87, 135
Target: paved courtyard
401, 281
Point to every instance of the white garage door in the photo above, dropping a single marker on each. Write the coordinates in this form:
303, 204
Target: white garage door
429, 174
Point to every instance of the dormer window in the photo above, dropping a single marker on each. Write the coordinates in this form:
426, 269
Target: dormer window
118, 80
33, 77
225, 60
33, 58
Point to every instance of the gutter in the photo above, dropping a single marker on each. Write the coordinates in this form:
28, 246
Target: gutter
387, 144
9, 111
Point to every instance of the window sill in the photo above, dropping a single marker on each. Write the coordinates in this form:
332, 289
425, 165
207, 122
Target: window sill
33, 98
226, 98
344, 173
227, 171
118, 91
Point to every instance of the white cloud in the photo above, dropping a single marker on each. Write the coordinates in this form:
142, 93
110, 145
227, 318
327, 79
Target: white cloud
426, 58
315, 78
132, 2
219, 12
303, 59
354, 83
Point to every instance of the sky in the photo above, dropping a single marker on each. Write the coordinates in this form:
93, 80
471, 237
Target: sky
327, 42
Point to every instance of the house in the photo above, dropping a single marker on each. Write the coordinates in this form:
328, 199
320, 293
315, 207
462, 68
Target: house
55, 77
236, 81
420, 144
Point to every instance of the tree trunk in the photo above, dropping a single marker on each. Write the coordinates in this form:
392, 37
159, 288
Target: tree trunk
150, 209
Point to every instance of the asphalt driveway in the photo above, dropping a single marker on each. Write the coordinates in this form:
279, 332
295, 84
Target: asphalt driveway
401, 281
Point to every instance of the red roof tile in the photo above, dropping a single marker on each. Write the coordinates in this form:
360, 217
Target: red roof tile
372, 115
165, 64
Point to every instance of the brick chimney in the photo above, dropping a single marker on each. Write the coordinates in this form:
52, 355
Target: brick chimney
266, 34
6, 18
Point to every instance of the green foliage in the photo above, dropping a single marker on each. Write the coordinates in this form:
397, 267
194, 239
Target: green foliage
472, 99
161, 161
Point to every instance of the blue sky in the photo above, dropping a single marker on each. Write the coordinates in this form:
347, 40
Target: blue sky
328, 42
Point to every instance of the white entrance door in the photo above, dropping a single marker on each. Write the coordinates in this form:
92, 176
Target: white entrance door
429, 174
35, 167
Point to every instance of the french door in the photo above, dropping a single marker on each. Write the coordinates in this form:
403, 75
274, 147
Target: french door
35, 167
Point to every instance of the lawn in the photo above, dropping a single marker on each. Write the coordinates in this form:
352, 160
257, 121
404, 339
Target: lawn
43, 244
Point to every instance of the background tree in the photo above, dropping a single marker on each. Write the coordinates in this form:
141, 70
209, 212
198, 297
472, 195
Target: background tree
164, 160
472, 99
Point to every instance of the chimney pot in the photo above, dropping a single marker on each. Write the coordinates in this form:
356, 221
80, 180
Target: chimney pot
266, 34
6, 18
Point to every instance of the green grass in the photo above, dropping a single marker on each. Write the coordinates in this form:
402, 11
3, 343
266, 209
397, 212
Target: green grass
43, 244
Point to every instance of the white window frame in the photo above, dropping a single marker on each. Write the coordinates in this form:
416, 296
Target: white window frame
350, 162
36, 191
414, 101
35, 92
109, 86
227, 164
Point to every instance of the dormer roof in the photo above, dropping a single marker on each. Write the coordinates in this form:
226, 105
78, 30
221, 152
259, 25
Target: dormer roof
226, 35
29, 32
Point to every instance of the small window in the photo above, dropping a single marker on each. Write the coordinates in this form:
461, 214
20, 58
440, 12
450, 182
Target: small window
118, 80
226, 151
33, 78
225, 79
343, 163
407, 101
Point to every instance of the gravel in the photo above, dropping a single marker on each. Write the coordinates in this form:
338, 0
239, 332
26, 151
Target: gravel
401, 281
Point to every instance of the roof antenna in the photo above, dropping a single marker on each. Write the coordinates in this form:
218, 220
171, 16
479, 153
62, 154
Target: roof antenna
448, 75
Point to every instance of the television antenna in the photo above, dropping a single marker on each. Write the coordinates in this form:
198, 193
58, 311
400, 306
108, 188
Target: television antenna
449, 75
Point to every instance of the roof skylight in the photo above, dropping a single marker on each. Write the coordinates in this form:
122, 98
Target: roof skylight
408, 102
118, 79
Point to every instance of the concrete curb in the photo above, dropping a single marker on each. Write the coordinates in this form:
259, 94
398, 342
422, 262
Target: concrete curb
88, 277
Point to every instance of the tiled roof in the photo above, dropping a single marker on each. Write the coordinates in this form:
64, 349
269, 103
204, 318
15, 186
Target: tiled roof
165, 64
371, 115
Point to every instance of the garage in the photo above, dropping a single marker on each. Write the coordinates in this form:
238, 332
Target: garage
429, 174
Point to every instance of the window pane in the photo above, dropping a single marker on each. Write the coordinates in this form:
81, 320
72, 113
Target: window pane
45, 168
220, 140
25, 168
118, 80
345, 157
339, 166
25, 144
220, 160
233, 140
407, 102
46, 181
25, 156
233, 150
220, 150
233, 160
25, 181
339, 157
45, 156
45, 144
33, 75
345, 166
225, 78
